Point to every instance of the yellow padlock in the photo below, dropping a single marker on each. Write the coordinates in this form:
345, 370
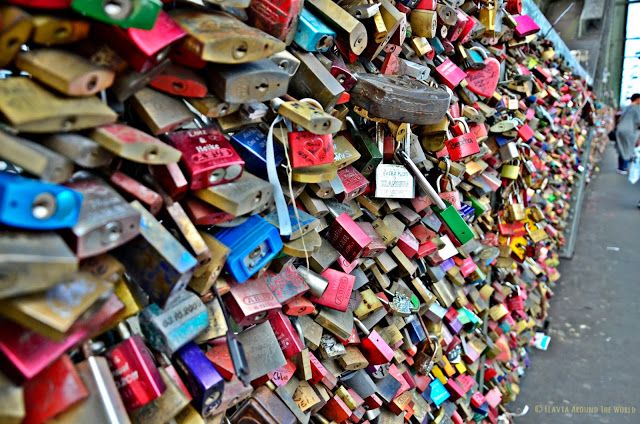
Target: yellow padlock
510, 171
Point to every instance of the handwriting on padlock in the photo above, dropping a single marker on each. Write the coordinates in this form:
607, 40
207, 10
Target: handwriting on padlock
462, 146
211, 152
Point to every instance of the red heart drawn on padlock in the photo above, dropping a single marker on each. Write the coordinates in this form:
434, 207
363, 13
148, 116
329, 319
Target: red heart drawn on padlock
483, 82
315, 149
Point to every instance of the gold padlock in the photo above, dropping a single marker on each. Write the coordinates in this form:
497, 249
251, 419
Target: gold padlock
15, 28
53, 30
64, 71
30, 108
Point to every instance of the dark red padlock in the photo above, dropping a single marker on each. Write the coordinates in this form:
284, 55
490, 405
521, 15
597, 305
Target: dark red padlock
287, 336
207, 157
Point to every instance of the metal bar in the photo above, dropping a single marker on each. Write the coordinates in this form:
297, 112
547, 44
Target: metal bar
576, 205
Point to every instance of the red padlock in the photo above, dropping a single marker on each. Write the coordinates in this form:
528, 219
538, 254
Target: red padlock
354, 183
143, 49
309, 149
347, 237
251, 302
278, 18
525, 132
179, 81
463, 145
287, 336
448, 72
514, 7
54, 390
299, 306
207, 157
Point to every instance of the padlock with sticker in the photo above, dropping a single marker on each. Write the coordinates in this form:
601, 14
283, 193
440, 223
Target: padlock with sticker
394, 181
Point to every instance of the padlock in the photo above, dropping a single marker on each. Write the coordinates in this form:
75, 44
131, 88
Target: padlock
202, 379
44, 398
66, 72
314, 80
143, 48
15, 30
307, 115
180, 81
423, 23
51, 30
462, 145
257, 81
251, 145
312, 34
34, 205
221, 38
245, 195
448, 72
35, 158
251, 303
252, 245
277, 18
127, 13
510, 171
168, 329
399, 98
160, 112
347, 237
336, 295
307, 149
525, 26
106, 220
156, 246
45, 260
348, 28
135, 373
80, 149
135, 190
393, 181
30, 108
207, 156
166, 406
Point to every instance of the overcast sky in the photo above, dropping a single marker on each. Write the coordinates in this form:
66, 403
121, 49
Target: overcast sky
631, 65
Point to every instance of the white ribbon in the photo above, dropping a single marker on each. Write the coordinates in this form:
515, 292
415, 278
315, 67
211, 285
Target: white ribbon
284, 222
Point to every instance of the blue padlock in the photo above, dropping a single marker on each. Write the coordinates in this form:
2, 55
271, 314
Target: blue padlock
35, 205
251, 145
312, 34
436, 393
437, 45
416, 331
251, 244
501, 141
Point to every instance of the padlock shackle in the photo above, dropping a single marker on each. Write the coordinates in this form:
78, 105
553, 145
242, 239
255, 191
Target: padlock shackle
422, 181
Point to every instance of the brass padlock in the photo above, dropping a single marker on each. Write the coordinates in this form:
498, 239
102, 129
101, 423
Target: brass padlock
161, 113
54, 30
351, 31
15, 28
29, 107
35, 158
220, 38
64, 71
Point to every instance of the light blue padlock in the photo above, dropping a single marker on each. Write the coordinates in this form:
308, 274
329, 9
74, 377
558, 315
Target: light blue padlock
312, 34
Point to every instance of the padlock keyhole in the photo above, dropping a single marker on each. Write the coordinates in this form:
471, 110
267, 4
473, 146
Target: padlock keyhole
61, 32
11, 42
177, 85
262, 87
240, 51
92, 83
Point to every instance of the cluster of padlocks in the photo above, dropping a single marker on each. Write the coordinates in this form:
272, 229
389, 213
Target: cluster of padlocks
270, 211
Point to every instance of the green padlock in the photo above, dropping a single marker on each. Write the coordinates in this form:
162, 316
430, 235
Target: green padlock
124, 13
445, 211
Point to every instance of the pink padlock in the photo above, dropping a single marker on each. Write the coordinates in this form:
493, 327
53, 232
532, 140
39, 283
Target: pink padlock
525, 25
